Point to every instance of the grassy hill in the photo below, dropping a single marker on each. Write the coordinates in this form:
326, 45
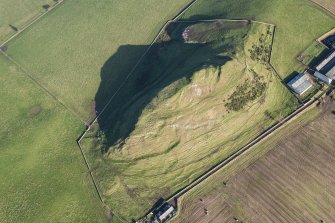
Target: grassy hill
187, 106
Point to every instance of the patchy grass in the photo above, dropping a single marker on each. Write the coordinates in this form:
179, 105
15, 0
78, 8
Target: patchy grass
66, 50
298, 22
18, 13
175, 125
43, 178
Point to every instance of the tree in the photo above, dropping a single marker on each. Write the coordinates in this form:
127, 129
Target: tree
46, 7
13, 28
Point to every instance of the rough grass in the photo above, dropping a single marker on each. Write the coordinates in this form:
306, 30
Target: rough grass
43, 178
178, 138
298, 23
66, 50
18, 13
285, 178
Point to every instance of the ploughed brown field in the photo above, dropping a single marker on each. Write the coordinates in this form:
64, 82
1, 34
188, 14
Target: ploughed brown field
293, 182
328, 4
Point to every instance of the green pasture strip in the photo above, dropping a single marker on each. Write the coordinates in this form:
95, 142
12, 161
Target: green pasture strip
72, 50
19, 13
298, 22
43, 178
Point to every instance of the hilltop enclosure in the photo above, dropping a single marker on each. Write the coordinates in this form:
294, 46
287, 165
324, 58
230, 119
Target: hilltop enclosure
202, 91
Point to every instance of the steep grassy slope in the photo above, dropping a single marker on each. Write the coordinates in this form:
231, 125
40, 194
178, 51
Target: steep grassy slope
298, 23
172, 120
43, 178
18, 13
286, 178
67, 49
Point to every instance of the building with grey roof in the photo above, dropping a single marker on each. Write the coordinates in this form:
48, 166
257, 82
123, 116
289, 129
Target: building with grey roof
300, 83
323, 78
327, 66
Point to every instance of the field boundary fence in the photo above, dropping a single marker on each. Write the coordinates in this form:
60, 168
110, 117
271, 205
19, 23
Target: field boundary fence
52, 8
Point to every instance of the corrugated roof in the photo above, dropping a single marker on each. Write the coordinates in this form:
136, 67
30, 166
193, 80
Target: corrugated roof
325, 62
323, 77
300, 83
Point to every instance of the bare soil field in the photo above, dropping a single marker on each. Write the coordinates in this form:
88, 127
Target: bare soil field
291, 183
327, 4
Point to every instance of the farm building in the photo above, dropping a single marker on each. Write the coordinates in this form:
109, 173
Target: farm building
323, 78
300, 83
327, 66
164, 213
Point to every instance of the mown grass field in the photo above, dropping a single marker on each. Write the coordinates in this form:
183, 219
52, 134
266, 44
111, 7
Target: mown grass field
19, 13
298, 23
43, 177
286, 178
66, 50
171, 131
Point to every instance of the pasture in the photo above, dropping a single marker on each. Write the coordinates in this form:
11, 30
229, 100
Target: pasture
43, 177
188, 106
19, 13
66, 50
298, 24
286, 178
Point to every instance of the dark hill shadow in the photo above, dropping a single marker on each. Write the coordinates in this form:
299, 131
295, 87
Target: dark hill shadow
166, 63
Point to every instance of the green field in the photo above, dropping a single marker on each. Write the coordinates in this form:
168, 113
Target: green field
19, 13
298, 23
66, 50
188, 107
43, 177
